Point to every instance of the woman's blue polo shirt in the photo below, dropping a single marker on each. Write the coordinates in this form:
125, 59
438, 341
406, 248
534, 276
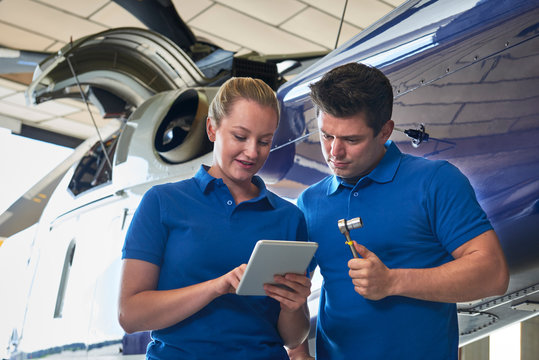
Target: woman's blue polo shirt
194, 232
415, 213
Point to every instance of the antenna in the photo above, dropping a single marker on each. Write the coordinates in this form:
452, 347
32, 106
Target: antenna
91, 115
340, 25
418, 135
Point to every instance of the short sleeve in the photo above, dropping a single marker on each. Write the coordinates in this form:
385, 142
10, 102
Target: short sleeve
454, 211
147, 234
301, 205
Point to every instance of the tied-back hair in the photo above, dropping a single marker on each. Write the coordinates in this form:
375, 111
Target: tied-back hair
353, 89
238, 88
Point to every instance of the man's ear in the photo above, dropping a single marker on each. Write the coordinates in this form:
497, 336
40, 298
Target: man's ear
210, 129
387, 130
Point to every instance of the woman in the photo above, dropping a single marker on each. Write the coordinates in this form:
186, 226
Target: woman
186, 248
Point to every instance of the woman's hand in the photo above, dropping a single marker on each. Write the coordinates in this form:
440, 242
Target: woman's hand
229, 282
291, 292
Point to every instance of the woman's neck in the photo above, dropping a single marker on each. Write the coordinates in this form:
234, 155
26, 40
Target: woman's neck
243, 192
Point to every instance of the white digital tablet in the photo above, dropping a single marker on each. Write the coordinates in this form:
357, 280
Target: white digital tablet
272, 257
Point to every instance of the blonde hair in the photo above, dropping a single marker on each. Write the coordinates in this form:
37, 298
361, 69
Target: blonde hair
238, 88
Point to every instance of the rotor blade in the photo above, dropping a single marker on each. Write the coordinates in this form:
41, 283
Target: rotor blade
19, 61
27, 210
161, 17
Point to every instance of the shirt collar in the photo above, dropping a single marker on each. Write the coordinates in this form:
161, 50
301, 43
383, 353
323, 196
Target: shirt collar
205, 180
384, 172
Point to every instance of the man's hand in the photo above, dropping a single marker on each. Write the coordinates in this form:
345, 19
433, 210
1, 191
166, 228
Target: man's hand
371, 278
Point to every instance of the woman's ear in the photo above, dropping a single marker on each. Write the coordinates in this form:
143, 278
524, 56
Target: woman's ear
210, 129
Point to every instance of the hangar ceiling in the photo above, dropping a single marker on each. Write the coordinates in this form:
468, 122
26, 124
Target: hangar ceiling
268, 27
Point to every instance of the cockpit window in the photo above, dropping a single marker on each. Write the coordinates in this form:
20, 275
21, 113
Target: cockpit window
94, 169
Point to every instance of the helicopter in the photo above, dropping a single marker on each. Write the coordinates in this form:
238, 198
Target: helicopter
465, 84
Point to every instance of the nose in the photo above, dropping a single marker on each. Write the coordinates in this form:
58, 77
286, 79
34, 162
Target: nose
251, 149
336, 148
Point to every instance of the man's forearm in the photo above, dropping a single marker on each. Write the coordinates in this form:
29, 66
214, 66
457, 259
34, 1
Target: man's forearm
478, 271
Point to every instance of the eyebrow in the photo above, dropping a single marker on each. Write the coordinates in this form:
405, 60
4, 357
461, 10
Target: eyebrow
239, 127
343, 136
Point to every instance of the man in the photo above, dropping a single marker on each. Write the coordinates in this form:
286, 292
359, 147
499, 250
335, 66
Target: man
425, 243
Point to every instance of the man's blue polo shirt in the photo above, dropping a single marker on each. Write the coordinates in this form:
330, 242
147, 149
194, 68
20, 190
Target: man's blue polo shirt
415, 212
195, 232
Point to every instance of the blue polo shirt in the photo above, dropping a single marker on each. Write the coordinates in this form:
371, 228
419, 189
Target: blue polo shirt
194, 232
415, 212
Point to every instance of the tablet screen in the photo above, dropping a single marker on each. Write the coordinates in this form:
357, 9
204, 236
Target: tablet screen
271, 257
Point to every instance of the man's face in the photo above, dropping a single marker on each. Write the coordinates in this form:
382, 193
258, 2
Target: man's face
350, 148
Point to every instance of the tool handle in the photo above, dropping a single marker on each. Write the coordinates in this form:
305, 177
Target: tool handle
352, 248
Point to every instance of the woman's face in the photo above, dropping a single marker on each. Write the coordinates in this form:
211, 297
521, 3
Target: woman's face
242, 141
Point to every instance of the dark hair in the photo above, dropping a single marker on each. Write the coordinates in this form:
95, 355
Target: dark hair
355, 88
237, 88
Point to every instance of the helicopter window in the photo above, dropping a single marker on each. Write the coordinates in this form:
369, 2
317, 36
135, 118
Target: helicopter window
68, 262
94, 168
